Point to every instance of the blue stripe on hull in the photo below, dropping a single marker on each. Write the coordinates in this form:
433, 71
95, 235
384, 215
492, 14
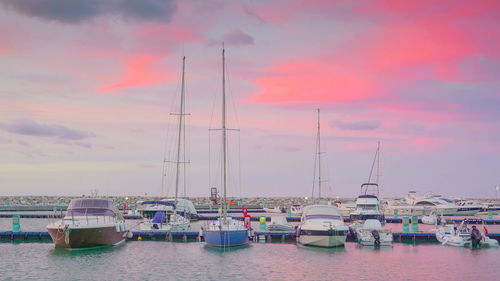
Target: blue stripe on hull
226, 238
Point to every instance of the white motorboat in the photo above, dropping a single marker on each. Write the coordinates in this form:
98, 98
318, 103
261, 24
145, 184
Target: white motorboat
462, 236
322, 226
296, 209
371, 233
275, 210
431, 219
279, 224
414, 204
89, 223
444, 206
368, 205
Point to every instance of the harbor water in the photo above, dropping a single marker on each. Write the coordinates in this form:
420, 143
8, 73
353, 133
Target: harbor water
162, 260
150, 260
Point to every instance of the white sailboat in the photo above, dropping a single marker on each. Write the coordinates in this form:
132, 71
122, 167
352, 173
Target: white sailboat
175, 221
225, 232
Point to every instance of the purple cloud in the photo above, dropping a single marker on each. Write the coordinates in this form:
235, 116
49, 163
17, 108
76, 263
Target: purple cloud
355, 125
76, 11
238, 37
32, 128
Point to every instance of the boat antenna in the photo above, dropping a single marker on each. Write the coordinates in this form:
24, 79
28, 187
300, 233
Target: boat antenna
224, 137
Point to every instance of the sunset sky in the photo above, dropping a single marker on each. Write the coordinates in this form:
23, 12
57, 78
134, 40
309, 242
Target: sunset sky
87, 88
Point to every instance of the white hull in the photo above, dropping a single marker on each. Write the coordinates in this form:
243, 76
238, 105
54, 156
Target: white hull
322, 241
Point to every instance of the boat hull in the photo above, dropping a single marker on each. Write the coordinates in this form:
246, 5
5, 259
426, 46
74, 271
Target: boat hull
226, 238
79, 238
322, 240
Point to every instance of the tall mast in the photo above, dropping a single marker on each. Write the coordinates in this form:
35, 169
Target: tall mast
179, 135
319, 157
224, 140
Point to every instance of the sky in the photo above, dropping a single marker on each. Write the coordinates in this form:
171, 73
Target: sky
87, 89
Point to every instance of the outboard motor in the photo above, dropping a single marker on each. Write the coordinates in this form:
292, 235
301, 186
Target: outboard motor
376, 237
475, 236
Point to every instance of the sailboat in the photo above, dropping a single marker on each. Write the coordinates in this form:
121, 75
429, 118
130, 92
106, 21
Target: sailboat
162, 221
225, 232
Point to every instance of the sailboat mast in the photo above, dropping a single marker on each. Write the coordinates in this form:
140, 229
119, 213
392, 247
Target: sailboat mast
319, 157
179, 134
224, 137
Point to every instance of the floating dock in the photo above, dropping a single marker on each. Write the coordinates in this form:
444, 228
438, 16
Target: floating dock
254, 218
268, 236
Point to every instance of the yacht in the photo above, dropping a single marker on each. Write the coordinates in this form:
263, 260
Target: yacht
443, 206
368, 205
322, 226
296, 209
89, 223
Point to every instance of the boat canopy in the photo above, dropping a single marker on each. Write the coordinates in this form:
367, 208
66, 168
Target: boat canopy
321, 210
166, 203
92, 206
367, 196
90, 203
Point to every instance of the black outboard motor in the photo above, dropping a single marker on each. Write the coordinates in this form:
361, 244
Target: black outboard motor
376, 237
475, 236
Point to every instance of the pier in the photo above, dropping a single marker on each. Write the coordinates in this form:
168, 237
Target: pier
192, 236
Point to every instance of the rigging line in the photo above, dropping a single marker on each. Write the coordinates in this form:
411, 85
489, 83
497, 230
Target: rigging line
232, 99
373, 164
239, 164
314, 172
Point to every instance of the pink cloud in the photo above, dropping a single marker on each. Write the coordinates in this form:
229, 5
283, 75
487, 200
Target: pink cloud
139, 70
302, 81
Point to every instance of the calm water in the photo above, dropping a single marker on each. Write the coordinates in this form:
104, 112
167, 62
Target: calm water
160, 260
149, 260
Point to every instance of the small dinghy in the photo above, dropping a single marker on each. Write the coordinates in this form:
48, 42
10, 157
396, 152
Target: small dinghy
371, 233
279, 224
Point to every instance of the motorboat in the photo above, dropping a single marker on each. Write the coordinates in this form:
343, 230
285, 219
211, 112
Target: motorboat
368, 204
225, 232
371, 233
414, 204
279, 223
463, 236
296, 209
346, 207
89, 223
431, 219
276, 210
322, 226
442, 205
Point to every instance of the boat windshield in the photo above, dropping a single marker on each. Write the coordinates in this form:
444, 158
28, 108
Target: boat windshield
330, 217
367, 206
90, 212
